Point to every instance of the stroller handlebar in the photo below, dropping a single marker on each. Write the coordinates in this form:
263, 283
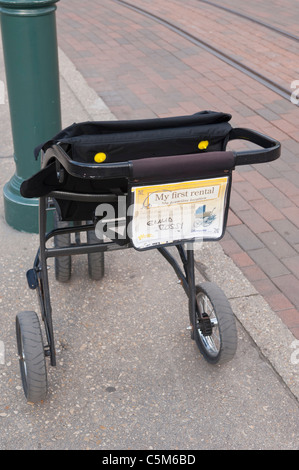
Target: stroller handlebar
270, 150
86, 170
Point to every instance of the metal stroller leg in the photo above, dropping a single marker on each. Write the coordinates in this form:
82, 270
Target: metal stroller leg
43, 287
192, 291
187, 278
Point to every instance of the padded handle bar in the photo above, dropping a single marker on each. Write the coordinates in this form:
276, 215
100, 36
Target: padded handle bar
270, 151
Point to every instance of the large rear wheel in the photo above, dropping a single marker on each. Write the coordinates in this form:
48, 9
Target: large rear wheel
31, 356
215, 331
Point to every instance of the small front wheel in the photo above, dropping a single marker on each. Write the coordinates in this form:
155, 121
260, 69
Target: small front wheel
31, 356
63, 264
215, 330
96, 261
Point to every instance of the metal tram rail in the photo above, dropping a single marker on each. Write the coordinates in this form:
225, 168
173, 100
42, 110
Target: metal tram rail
225, 57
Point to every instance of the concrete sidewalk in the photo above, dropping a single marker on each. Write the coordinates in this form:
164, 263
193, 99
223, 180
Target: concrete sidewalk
131, 378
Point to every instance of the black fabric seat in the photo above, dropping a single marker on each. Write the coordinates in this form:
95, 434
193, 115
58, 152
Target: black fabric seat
159, 149
130, 140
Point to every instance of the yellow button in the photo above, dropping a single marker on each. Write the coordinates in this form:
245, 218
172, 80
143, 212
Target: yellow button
100, 157
203, 144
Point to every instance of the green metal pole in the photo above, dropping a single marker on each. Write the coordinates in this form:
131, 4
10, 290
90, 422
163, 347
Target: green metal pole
30, 52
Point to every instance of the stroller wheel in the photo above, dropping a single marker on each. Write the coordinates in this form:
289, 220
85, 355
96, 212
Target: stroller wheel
63, 264
31, 356
215, 334
96, 261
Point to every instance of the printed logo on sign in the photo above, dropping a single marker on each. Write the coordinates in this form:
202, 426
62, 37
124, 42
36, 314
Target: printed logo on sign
186, 196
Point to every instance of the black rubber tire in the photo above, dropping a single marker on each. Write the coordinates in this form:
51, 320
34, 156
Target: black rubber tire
31, 356
96, 261
63, 264
221, 346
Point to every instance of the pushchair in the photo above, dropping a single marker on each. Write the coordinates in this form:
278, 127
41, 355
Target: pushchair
137, 184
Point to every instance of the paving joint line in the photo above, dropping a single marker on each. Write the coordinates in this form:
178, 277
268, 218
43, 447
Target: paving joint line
268, 83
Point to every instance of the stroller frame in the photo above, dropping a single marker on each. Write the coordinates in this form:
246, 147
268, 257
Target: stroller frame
201, 325
37, 277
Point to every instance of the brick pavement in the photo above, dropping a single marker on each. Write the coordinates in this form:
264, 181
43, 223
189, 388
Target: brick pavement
282, 14
143, 70
261, 52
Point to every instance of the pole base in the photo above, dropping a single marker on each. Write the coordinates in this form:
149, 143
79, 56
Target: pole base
21, 213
